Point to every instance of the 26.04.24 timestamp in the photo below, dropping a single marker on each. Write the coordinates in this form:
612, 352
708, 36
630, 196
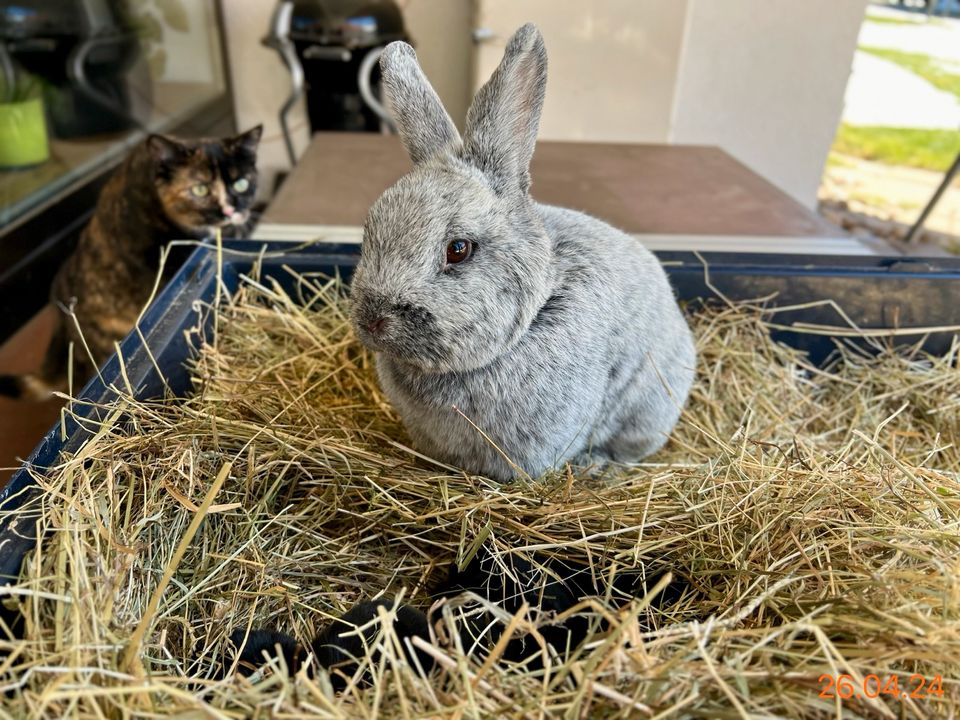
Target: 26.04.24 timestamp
845, 687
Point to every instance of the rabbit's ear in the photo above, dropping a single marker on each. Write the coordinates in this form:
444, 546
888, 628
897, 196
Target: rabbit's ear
502, 121
425, 127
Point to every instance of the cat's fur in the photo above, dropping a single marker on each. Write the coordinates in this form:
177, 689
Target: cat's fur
147, 202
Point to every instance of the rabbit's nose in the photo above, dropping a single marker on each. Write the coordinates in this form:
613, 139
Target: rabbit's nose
376, 325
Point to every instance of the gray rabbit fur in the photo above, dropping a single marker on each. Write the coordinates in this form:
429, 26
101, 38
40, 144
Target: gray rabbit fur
557, 340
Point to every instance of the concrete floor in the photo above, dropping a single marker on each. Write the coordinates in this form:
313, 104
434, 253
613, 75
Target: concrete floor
881, 93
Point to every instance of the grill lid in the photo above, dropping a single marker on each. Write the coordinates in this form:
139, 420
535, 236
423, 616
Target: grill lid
347, 23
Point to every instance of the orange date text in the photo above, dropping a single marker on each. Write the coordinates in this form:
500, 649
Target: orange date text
873, 686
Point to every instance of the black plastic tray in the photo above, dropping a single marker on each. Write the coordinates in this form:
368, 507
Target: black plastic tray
874, 293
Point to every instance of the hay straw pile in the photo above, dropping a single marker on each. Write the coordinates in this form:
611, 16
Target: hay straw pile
814, 515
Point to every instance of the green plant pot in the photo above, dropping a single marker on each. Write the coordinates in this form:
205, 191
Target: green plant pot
23, 134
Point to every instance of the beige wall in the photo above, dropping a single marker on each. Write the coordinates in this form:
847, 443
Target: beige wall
765, 81
261, 83
440, 30
613, 63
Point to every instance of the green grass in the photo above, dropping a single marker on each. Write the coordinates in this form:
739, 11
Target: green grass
921, 65
928, 149
883, 20
836, 160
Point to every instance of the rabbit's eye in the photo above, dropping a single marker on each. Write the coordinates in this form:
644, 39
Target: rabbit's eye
458, 251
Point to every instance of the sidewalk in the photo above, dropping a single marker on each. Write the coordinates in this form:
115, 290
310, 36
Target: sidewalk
880, 92
938, 37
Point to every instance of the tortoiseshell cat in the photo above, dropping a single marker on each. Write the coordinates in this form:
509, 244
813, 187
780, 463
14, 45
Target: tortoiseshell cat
167, 189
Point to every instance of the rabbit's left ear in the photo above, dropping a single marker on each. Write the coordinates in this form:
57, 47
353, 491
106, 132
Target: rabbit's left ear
425, 127
504, 117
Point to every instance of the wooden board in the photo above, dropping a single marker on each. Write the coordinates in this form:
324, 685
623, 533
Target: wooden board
649, 189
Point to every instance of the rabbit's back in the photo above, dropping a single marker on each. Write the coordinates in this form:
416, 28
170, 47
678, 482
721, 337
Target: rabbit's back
627, 303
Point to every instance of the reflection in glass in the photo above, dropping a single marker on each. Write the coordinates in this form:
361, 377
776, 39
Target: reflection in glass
99, 74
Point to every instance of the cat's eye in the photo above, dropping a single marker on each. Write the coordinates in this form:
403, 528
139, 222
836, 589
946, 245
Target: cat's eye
241, 185
200, 190
458, 251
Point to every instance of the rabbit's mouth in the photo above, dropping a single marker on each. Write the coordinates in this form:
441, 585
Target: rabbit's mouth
404, 330
372, 341
416, 350
413, 343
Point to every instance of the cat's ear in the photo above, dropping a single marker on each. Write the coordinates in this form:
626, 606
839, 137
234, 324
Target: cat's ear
164, 150
250, 139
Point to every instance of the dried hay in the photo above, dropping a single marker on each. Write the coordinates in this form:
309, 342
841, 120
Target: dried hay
814, 515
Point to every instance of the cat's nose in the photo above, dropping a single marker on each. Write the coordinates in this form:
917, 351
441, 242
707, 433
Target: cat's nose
228, 210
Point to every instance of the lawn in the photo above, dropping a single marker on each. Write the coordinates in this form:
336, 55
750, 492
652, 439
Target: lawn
921, 65
929, 149
884, 20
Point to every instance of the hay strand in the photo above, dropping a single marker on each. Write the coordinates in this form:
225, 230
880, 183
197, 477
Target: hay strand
811, 515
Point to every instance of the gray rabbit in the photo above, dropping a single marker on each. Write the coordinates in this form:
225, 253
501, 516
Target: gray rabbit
511, 336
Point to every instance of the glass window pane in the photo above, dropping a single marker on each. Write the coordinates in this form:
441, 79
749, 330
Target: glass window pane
83, 80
